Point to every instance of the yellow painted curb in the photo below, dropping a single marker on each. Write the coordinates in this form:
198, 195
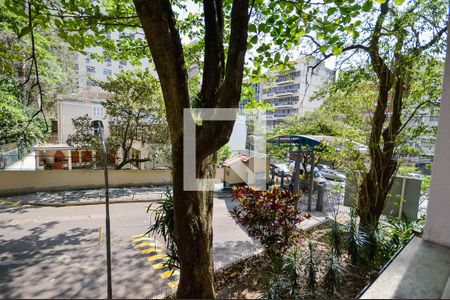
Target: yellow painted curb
157, 256
140, 238
8, 202
150, 250
155, 252
145, 244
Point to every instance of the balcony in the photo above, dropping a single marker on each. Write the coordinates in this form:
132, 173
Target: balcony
284, 94
284, 81
284, 104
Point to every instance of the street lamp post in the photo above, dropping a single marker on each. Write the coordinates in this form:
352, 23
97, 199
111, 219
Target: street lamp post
97, 127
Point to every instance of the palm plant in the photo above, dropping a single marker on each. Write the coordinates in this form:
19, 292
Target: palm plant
292, 270
163, 226
336, 236
332, 276
356, 240
311, 270
276, 285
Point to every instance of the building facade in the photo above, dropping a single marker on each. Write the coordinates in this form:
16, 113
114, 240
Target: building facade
290, 93
77, 105
86, 66
427, 118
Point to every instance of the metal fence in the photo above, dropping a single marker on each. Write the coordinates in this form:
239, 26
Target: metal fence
9, 154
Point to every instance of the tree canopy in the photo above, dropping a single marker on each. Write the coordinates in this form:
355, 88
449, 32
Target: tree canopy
136, 114
389, 35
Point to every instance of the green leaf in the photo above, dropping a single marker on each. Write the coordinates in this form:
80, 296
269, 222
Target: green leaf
324, 48
399, 2
277, 57
331, 11
252, 28
381, 1
367, 6
336, 50
24, 31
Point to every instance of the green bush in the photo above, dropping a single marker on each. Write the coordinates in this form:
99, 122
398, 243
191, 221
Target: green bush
271, 217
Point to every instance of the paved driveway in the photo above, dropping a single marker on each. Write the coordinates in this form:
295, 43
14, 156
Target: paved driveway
53, 252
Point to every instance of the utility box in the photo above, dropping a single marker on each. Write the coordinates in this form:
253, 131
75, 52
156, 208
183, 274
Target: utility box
409, 187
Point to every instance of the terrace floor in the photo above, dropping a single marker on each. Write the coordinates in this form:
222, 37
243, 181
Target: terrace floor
420, 271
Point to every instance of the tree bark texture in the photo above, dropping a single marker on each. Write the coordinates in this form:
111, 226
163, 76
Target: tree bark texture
221, 88
377, 182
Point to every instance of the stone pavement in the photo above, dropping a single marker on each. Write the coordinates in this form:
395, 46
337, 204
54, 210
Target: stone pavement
80, 197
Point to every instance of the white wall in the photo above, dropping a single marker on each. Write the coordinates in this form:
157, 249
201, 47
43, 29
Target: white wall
437, 227
239, 135
67, 110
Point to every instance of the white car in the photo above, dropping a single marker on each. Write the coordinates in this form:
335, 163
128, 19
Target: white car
281, 167
330, 173
318, 178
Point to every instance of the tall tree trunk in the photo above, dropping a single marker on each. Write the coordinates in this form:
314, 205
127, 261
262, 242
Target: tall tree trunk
193, 230
377, 182
221, 88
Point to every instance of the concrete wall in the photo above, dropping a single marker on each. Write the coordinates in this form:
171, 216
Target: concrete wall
410, 206
437, 227
20, 182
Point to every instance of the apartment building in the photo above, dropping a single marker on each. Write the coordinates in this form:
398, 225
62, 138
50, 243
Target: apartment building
290, 92
427, 118
86, 66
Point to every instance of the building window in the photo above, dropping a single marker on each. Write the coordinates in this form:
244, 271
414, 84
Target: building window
97, 111
90, 69
107, 72
108, 61
90, 82
122, 63
88, 56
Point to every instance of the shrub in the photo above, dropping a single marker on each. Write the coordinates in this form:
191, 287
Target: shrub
284, 280
269, 216
292, 271
311, 270
395, 235
163, 225
335, 236
332, 276
356, 240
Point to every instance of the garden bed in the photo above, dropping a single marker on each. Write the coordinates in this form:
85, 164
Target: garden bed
249, 279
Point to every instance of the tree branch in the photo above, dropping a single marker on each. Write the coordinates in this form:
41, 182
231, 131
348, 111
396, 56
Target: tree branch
431, 42
378, 63
158, 22
230, 92
214, 63
420, 105
36, 70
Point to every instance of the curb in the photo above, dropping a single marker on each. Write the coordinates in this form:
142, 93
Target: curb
73, 203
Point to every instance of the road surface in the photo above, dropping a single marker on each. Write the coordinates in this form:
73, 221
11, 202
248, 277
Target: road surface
60, 252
